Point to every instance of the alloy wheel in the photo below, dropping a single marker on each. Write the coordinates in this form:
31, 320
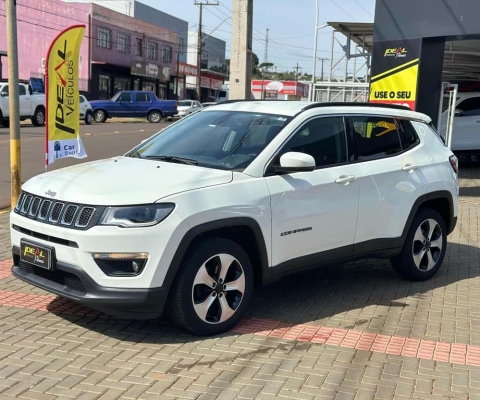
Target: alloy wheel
427, 245
218, 289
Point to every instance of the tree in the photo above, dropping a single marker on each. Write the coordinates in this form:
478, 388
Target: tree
255, 63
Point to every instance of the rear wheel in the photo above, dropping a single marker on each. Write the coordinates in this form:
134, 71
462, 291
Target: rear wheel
424, 248
154, 117
38, 118
213, 287
99, 116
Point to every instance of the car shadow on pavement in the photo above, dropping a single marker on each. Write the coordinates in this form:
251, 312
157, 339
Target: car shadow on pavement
365, 295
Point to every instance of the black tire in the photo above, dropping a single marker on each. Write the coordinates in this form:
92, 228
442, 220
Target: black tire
154, 117
99, 116
2, 120
405, 264
5, 122
88, 118
181, 300
38, 118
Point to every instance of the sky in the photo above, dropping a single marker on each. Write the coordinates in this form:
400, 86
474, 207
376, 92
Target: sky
291, 25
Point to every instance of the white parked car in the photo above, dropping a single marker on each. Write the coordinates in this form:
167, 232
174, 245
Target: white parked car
86, 112
32, 106
186, 107
235, 196
466, 126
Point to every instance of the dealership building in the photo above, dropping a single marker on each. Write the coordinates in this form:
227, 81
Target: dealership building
423, 47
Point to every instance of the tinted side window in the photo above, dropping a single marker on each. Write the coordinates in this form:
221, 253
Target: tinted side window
82, 100
21, 90
5, 90
322, 138
125, 97
408, 135
470, 106
142, 97
377, 137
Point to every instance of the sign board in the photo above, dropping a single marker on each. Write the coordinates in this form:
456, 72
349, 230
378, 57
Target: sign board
187, 69
395, 72
149, 70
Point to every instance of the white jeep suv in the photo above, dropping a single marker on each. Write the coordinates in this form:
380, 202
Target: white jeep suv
235, 196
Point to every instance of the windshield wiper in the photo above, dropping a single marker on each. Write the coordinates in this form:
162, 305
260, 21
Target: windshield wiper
180, 160
135, 153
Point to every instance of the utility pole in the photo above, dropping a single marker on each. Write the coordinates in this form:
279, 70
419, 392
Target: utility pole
322, 60
241, 52
265, 55
200, 45
14, 101
296, 71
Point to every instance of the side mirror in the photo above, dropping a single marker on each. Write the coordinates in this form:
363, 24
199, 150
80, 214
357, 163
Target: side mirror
4, 94
295, 162
459, 113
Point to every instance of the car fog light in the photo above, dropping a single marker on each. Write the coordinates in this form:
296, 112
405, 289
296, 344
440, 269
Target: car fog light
121, 264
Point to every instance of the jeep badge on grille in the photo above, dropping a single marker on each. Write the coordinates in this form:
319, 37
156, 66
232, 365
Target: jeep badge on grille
50, 193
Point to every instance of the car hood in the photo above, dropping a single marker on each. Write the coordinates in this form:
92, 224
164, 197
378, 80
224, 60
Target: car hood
123, 181
94, 103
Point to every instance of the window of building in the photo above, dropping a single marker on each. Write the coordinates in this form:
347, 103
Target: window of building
152, 50
167, 54
104, 38
142, 97
105, 87
139, 47
181, 45
377, 137
123, 43
322, 138
122, 84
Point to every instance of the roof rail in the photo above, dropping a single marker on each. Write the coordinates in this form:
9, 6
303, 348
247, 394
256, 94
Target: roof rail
354, 104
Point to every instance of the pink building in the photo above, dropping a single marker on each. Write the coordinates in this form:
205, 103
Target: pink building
38, 22
118, 52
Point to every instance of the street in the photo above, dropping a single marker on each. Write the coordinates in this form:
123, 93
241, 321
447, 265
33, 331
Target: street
100, 141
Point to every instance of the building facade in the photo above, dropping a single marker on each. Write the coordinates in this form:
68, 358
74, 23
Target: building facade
418, 44
213, 67
130, 54
38, 23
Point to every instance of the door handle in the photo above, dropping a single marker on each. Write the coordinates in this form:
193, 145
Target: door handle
409, 168
345, 180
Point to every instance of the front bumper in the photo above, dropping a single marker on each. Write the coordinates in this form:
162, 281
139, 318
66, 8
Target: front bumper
74, 283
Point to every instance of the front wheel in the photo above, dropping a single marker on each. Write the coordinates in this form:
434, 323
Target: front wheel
154, 117
424, 248
99, 116
38, 118
89, 118
213, 288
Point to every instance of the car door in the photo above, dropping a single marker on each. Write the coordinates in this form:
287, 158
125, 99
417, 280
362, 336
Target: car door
142, 104
390, 178
466, 126
123, 106
26, 106
314, 214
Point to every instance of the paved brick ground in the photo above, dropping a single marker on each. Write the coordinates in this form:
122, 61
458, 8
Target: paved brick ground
350, 332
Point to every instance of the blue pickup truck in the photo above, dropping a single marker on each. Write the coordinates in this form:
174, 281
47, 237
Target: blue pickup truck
134, 104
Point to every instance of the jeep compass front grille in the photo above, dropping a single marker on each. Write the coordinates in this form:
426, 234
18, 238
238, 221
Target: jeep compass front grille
68, 215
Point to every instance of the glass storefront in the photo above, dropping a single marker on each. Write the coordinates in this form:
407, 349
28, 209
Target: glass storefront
105, 87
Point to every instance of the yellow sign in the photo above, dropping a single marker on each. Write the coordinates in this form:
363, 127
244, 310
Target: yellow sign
396, 86
63, 101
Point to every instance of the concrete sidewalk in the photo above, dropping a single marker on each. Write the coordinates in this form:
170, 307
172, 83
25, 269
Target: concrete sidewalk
349, 332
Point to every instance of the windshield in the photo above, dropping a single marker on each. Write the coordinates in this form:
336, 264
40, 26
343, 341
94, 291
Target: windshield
184, 104
115, 96
216, 139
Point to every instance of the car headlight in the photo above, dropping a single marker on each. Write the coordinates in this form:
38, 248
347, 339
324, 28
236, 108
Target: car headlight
136, 216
